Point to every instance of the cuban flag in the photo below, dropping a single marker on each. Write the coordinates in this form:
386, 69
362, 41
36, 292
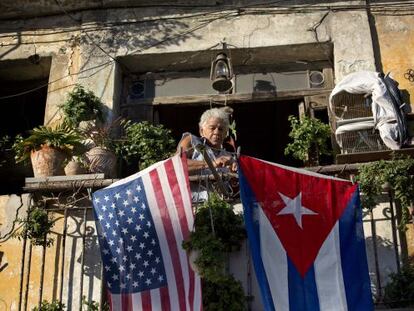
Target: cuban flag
306, 238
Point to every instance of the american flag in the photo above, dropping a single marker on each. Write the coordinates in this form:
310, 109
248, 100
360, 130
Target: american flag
141, 222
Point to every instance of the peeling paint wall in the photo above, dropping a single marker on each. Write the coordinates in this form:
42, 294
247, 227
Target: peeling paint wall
396, 41
86, 47
86, 51
12, 207
10, 248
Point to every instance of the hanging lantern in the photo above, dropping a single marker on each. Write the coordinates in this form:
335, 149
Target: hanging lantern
221, 73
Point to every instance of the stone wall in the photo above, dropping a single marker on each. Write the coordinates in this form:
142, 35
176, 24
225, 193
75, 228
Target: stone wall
89, 47
86, 47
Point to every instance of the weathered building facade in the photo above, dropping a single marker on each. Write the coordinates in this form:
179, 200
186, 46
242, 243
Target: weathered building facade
150, 60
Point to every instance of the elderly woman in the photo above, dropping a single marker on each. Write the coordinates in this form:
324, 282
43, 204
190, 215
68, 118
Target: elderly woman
213, 126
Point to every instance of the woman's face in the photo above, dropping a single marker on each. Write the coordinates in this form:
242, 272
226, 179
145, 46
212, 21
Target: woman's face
214, 131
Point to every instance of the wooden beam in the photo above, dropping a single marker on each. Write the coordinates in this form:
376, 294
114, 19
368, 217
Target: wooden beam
372, 156
53, 186
228, 98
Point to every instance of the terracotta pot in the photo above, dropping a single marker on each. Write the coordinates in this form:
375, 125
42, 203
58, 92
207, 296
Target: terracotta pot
101, 160
47, 161
74, 168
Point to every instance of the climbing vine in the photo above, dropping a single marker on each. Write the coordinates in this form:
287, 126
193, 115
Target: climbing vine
218, 231
36, 227
394, 174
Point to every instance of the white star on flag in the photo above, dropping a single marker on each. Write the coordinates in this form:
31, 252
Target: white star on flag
295, 207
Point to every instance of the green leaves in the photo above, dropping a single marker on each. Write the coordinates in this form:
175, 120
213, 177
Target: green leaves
93, 305
82, 105
146, 142
225, 294
395, 173
62, 137
50, 306
218, 231
305, 134
36, 227
399, 292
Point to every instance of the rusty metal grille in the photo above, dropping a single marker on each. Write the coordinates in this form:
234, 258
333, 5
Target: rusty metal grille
71, 268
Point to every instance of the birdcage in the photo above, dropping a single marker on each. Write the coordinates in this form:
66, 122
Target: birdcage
358, 135
345, 106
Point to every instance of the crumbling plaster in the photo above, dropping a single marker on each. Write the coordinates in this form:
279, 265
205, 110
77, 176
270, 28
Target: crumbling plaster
92, 51
396, 41
88, 56
13, 207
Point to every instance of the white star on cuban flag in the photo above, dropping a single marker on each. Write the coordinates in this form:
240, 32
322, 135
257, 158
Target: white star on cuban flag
295, 207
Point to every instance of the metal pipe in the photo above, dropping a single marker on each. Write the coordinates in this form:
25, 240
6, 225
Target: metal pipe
22, 272
101, 300
62, 266
394, 232
60, 209
82, 257
22, 264
374, 244
42, 272
29, 265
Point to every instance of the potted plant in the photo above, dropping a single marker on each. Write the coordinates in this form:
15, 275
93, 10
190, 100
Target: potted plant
47, 148
310, 137
82, 105
124, 139
103, 145
81, 109
145, 142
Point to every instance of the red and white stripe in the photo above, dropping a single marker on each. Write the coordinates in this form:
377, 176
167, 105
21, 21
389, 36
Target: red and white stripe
169, 199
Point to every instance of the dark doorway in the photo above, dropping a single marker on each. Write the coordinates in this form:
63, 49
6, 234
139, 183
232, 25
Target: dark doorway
262, 127
22, 111
322, 115
181, 118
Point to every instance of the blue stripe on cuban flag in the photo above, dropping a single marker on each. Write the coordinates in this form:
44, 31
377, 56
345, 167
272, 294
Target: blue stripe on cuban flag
338, 279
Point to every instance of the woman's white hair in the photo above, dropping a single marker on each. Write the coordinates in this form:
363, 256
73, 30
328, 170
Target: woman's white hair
218, 113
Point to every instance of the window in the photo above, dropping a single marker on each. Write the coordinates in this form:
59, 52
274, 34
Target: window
23, 92
264, 94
